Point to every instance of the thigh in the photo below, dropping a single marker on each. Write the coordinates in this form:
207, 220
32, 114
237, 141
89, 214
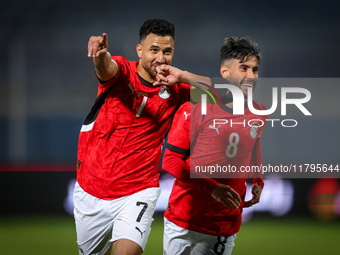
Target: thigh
134, 220
93, 222
126, 247
176, 240
182, 241
213, 245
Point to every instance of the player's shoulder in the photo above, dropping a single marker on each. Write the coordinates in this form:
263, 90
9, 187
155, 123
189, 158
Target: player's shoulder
120, 60
181, 88
259, 106
184, 108
125, 68
184, 85
182, 117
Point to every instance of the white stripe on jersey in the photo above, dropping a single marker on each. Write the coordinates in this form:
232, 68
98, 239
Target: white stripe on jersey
88, 127
142, 106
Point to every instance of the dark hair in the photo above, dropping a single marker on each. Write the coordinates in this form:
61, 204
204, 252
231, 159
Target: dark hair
240, 48
159, 27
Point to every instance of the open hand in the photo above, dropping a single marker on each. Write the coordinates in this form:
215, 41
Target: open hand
227, 196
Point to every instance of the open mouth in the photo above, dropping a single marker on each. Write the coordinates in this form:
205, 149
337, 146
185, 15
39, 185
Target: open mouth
248, 83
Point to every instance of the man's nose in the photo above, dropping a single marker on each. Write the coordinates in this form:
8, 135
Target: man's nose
160, 58
251, 74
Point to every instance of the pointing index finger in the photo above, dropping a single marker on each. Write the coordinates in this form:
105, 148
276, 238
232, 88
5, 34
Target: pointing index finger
105, 38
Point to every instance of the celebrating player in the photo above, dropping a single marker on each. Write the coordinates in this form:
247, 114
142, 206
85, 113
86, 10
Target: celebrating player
204, 214
120, 143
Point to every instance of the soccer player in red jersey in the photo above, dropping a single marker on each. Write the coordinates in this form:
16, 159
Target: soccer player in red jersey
120, 143
204, 214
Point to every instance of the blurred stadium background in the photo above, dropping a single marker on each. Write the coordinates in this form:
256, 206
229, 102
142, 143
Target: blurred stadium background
47, 86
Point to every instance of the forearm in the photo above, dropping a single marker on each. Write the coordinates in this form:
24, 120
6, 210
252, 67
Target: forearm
174, 164
194, 79
256, 160
105, 67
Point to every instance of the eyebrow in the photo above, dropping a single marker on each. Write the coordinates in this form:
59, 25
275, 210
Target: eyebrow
244, 65
157, 47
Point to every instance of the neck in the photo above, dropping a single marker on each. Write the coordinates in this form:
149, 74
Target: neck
144, 74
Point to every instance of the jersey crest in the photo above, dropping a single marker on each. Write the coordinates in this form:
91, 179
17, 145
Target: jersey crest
254, 129
164, 92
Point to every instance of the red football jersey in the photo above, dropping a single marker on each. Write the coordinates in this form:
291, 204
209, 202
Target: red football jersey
236, 142
120, 141
176, 159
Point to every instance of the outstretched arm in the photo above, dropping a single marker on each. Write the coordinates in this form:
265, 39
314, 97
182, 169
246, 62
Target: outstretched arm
168, 75
106, 68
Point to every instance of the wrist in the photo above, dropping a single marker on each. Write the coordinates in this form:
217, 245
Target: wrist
184, 77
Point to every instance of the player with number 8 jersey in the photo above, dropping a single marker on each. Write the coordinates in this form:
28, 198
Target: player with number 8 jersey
205, 206
235, 145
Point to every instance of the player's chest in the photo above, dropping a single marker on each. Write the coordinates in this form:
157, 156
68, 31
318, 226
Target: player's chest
127, 104
225, 131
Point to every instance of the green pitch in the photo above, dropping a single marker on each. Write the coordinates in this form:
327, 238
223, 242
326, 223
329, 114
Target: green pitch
266, 236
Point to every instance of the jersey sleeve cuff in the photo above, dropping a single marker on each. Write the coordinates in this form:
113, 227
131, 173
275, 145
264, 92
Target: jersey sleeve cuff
208, 185
176, 149
259, 181
104, 82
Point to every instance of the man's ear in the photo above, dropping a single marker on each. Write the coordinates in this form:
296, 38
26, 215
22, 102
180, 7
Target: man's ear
224, 70
139, 50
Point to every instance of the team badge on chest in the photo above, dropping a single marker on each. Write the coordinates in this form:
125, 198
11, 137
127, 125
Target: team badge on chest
164, 92
254, 129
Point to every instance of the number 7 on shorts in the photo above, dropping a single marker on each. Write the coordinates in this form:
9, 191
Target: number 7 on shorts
145, 206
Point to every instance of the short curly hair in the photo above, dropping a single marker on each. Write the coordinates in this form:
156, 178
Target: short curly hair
241, 48
159, 27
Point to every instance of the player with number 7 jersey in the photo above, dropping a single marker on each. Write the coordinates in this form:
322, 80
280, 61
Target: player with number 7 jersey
120, 143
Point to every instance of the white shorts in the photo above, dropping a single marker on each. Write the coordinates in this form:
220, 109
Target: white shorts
181, 241
101, 222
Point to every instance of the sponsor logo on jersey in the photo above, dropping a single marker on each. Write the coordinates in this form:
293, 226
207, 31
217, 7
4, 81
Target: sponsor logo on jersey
186, 115
140, 231
164, 92
254, 129
130, 86
216, 128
